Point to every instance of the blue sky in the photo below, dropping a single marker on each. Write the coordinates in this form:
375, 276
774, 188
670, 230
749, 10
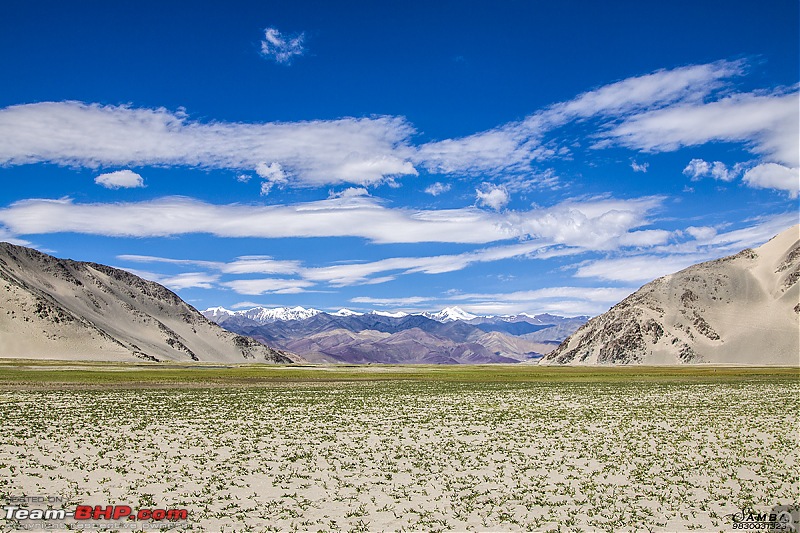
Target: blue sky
503, 157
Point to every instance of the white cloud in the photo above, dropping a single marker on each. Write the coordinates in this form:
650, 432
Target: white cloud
645, 238
246, 305
355, 273
185, 280
252, 264
350, 192
507, 148
774, 176
570, 301
512, 147
708, 245
349, 150
702, 233
492, 196
719, 171
154, 259
660, 88
660, 111
272, 174
437, 188
698, 168
362, 272
640, 268
260, 265
268, 285
391, 302
566, 229
595, 224
762, 176
282, 49
637, 167
767, 123
588, 223
126, 179
8, 236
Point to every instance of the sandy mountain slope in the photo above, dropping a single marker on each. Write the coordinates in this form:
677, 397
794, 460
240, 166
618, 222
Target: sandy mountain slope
61, 309
513, 347
741, 309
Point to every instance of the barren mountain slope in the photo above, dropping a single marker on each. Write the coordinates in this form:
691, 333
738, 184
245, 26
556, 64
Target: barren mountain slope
741, 309
62, 309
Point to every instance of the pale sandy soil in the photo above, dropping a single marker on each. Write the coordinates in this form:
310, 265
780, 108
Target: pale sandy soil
412, 456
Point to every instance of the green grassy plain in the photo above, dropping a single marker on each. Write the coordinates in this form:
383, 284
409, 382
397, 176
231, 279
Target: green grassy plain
21, 373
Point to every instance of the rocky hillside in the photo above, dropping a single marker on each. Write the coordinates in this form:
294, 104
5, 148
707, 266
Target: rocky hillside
742, 309
61, 309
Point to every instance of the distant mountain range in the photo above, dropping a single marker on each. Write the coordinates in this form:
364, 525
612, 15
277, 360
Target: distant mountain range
62, 309
449, 336
741, 309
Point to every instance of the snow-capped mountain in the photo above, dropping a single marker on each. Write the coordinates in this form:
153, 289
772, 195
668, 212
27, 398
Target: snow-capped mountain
450, 314
397, 314
346, 312
213, 313
261, 315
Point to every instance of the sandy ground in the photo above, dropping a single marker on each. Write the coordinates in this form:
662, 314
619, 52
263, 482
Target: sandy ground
411, 456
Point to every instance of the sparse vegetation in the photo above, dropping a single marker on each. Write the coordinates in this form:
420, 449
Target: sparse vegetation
414, 448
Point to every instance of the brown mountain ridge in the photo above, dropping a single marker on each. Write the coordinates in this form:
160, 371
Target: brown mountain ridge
54, 308
741, 309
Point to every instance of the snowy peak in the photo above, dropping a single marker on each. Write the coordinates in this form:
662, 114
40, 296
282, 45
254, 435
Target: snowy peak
216, 312
346, 312
261, 315
398, 314
450, 314
264, 315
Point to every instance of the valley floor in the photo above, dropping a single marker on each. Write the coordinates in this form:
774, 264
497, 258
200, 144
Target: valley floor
374, 448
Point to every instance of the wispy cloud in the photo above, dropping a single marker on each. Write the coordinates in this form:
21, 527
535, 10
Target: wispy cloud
391, 302
282, 48
708, 244
355, 273
594, 223
268, 285
569, 301
184, 280
638, 268
512, 147
437, 188
767, 123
